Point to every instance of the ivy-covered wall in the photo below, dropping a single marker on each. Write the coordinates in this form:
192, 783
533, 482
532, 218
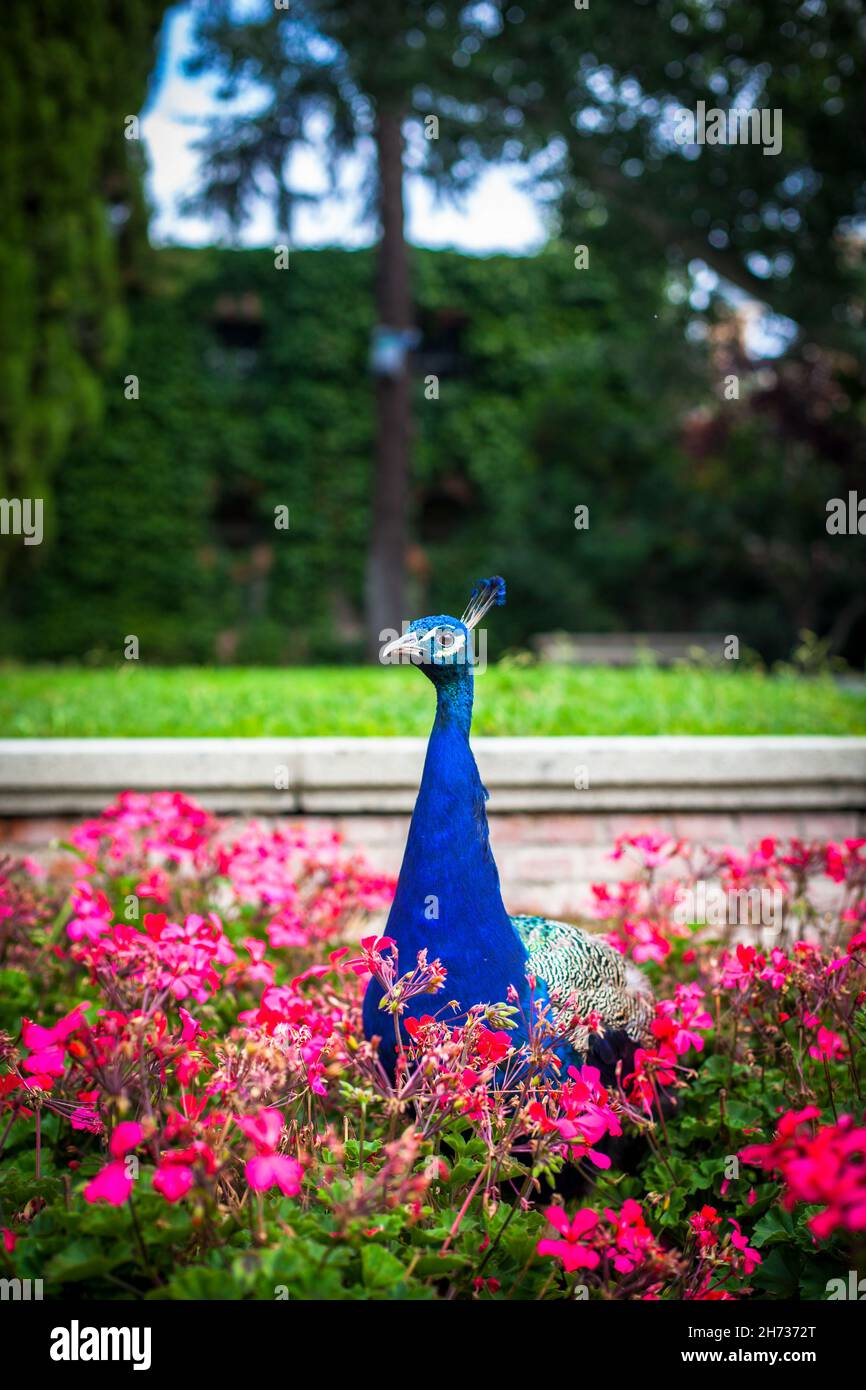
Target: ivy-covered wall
539, 389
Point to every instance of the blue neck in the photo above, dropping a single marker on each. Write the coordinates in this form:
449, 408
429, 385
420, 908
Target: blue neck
448, 869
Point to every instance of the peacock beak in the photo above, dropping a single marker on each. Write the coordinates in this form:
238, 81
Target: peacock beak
407, 644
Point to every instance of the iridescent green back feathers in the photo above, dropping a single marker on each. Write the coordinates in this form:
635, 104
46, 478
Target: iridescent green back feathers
585, 975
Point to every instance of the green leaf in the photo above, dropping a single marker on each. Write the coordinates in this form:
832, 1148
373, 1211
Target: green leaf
779, 1274
776, 1225
442, 1266
81, 1259
380, 1268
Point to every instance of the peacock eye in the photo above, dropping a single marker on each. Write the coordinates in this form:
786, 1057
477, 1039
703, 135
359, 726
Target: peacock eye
450, 644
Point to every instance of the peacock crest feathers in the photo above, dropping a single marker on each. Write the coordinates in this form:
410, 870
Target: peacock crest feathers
487, 594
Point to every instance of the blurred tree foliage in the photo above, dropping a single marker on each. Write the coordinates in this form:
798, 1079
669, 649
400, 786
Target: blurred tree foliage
594, 106
589, 103
556, 389
374, 78
600, 97
74, 225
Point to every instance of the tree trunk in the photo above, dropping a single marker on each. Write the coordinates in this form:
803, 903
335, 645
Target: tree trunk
386, 560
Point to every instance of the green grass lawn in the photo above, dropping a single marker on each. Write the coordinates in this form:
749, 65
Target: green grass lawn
188, 701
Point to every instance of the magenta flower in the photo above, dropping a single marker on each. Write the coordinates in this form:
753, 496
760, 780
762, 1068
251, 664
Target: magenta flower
91, 913
175, 1174
173, 1180
263, 1129
48, 1045
825, 1167
371, 961
569, 1249
127, 1135
751, 1258
191, 1027
829, 1046
269, 1168
112, 1184
86, 1118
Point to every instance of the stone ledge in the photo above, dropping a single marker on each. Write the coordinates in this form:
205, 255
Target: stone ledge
381, 775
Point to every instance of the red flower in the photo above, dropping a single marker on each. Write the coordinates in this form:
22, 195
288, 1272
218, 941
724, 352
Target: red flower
370, 962
491, 1047
825, 1168
705, 1224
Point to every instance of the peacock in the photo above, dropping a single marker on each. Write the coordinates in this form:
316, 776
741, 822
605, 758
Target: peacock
448, 862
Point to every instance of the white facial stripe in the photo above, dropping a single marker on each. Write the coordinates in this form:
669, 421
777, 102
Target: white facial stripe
416, 643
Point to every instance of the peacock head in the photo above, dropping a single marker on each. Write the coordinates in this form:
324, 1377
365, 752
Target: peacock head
442, 645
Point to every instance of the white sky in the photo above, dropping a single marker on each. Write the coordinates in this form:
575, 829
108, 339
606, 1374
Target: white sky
496, 216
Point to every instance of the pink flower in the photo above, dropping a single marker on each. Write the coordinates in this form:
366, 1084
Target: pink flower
634, 1240
777, 973
651, 849
491, 1047
127, 1135
267, 1170
48, 1045
191, 1027
173, 1180
829, 1046
86, 1118
740, 969
50, 1060
705, 1225
569, 1249
112, 1184
175, 1174
260, 969
622, 902
371, 961
826, 1168
91, 913
751, 1258
155, 885
263, 1129
857, 942
585, 1115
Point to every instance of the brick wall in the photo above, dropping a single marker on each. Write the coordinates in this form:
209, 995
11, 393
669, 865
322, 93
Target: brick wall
546, 861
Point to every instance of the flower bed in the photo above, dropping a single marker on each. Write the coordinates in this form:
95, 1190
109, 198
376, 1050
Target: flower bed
191, 1109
